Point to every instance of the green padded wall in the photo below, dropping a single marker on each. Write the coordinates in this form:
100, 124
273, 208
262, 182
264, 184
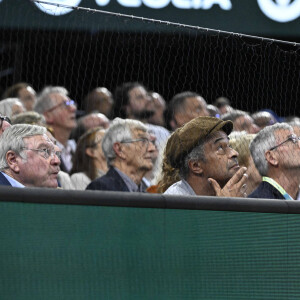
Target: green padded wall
91, 252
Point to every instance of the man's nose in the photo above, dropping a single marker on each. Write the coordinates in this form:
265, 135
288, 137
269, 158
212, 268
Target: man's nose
233, 153
55, 160
151, 146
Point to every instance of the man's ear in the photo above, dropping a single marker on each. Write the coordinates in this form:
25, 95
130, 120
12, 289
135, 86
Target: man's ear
13, 161
196, 167
271, 158
118, 148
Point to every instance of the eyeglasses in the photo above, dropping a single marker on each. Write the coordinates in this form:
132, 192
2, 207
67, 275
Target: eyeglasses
293, 138
4, 118
145, 141
46, 152
66, 104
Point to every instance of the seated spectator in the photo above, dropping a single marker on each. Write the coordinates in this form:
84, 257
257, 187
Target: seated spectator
158, 105
24, 92
60, 114
276, 154
4, 123
28, 158
241, 120
11, 106
87, 122
99, 100
128, 148
29, 117
184, 107
34, 118
89, 161
263, 119
134, 102
240, 141
223, 105
207, 165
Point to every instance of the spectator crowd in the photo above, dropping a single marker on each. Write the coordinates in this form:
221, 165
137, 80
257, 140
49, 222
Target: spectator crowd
132, 140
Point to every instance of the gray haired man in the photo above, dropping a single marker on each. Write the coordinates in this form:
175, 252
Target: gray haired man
276, 154
129, 151
60, 114
28, 158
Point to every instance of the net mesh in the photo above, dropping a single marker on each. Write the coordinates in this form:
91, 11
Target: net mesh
168, 58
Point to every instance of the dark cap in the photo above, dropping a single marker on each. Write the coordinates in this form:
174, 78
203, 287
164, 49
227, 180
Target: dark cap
187, 137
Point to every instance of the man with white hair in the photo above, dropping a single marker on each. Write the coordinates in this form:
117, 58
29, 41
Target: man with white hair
276, 154
128, 149
28, 158
60, 113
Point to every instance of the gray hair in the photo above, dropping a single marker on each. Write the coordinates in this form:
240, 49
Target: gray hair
44, 101
263, 141
195, 155
29, 117
7, 104
12, 139
119, 130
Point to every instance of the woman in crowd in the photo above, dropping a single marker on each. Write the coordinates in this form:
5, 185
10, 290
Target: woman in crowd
240, 142
88, 161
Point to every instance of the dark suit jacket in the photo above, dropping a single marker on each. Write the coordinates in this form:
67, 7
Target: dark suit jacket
3, 180
266, 191
111, 181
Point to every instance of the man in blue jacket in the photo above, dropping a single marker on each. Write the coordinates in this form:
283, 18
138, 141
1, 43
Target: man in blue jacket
129, 151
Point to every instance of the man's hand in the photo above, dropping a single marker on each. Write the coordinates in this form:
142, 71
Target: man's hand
235, 187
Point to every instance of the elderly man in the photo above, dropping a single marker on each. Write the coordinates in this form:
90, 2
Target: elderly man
207, 164
184, 107
60, 114
128, 149
276, 154
28, 158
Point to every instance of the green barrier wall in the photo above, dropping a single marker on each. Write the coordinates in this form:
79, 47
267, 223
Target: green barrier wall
61, 251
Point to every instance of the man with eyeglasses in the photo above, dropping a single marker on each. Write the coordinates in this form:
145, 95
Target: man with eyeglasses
28, 158
4, 123
276, 154
60, 114
128, 149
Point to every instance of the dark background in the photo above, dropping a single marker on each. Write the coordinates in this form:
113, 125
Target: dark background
253, 73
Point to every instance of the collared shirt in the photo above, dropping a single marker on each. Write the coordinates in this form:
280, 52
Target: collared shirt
131, 185
67, 153
180, 188
12, 181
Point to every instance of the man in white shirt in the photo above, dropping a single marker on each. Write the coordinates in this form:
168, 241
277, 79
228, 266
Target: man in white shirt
60, 114
207, 165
